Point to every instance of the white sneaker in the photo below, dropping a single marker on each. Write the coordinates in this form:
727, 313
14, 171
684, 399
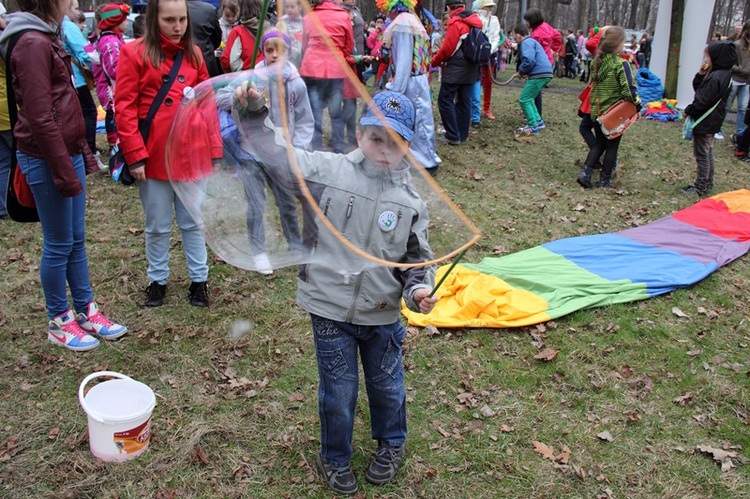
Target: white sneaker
719, 136
102, 166
94, 322
64, 331
262, 264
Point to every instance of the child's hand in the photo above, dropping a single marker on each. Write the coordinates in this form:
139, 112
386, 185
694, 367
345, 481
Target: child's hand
245, 92
705, 67
423, 300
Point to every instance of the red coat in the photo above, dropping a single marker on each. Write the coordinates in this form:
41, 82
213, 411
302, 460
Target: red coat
138, 82
317, 59
247, 41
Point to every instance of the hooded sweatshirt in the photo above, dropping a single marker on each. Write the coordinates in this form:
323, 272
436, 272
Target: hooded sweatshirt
712, 88
458, 70
299, 120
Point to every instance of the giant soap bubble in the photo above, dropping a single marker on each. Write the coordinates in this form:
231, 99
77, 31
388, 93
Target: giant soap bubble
292, 186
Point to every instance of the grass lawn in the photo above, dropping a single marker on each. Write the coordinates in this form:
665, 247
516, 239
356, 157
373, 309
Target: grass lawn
238, 418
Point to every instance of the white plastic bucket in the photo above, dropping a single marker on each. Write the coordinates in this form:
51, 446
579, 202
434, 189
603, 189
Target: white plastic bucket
119, 416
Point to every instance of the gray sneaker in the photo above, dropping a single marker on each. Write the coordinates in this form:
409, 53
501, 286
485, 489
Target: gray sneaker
340, 480
384, 464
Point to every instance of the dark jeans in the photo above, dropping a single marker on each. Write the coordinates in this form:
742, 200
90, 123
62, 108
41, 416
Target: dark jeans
454, 103
603, 146
538, 104
338, 346
89, 116
703, 145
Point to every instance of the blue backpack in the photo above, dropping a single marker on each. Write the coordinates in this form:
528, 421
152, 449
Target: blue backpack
476, 46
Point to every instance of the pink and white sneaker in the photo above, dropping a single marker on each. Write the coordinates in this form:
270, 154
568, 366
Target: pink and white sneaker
64, 331
94, 322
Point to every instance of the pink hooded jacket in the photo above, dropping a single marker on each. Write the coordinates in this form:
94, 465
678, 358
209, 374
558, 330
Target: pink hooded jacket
549, 38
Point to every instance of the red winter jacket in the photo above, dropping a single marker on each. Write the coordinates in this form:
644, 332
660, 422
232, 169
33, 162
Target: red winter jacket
456, 27
247, 41
317, 59
138, 82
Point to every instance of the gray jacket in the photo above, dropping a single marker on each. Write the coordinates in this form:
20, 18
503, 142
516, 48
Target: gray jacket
377, 211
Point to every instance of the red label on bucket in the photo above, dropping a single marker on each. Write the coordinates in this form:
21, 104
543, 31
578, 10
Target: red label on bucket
133, 440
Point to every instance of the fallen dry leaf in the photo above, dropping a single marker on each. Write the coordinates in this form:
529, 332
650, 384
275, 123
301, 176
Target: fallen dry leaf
506, 429
626, 371
296, 397
720, 456
486, 411
693, 353
200, 455
605, 435
679, 313
543, 449
564, 457
683, 399
546, 355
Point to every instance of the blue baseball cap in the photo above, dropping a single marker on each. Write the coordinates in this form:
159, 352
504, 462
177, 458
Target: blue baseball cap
397, 110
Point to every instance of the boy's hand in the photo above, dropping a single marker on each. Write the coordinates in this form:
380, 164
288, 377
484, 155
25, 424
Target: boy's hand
246, 92
422, 299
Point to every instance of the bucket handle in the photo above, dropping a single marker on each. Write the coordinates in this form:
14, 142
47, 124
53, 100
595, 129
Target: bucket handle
85, 381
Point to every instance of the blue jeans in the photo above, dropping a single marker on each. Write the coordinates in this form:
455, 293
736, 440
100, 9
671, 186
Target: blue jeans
336, 346
157, 199
6, 155
476, 92
742, 92
327, 94
349, 117
454, 103
63, 229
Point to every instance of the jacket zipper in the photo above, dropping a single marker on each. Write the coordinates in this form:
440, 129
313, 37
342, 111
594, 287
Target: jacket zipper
360, 276
349, 209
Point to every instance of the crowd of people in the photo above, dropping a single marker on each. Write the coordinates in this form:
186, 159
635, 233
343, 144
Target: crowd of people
322, 59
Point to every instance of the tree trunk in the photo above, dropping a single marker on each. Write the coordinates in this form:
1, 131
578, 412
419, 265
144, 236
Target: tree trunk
673, 56
633, 14
581, 21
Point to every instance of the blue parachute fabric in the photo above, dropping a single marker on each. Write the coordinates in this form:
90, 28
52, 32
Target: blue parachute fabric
650, 88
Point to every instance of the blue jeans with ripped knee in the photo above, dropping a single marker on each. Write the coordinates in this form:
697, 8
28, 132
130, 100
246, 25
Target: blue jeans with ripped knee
379, 347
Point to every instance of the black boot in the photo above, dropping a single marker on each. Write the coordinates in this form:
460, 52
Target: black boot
605, 179
198, 294
584, 178
155, 292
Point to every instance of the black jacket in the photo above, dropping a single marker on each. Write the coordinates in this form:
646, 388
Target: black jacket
206, 31
712, 88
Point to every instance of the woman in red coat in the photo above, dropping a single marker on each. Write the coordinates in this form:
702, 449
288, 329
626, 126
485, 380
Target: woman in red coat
323, 70
143, 67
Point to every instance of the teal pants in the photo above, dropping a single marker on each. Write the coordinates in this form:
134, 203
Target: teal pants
526, 99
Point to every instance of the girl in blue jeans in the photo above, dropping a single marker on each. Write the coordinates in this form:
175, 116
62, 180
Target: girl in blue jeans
54, 157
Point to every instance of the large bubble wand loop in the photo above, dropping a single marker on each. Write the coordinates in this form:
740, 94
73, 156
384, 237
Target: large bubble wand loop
365, 95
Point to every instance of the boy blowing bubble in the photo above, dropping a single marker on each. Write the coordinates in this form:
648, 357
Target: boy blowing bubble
358, 313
